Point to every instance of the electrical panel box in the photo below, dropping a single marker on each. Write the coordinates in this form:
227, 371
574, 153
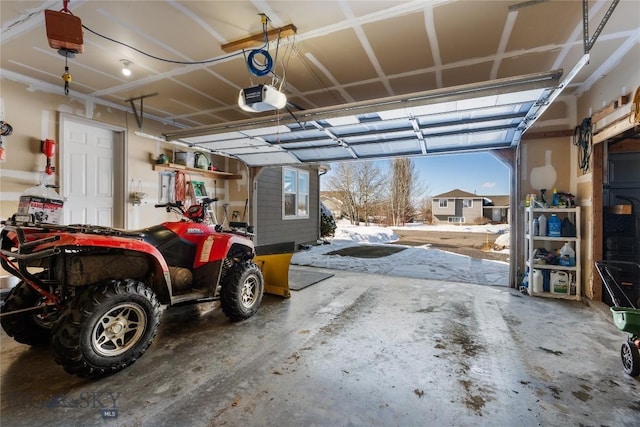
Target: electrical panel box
64, 31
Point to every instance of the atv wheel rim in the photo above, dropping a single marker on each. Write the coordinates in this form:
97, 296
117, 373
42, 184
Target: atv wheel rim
249, 291
119, 329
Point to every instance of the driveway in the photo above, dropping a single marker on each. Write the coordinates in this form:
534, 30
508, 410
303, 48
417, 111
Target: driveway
353, 350
421, 262
474, 245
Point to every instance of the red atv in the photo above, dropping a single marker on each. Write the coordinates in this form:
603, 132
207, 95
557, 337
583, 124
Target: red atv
96, 292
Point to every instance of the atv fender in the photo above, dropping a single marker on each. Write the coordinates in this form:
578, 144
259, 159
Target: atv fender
92, 241
220, 246
157, 274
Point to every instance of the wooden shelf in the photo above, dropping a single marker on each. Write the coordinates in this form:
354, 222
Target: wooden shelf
195, 171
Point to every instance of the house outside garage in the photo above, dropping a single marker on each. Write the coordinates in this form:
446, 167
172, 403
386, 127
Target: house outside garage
458, 207
496, 208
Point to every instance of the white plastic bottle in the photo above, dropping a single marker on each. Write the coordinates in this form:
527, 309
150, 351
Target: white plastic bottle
567, 255
537, 281
559, 282
542, 225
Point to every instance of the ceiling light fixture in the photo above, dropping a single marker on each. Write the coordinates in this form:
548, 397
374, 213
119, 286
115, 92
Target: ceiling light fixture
125, 67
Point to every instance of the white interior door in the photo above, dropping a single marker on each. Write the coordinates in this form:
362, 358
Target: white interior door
88, 178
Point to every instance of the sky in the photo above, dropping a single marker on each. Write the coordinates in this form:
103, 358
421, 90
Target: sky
422, 262
479, 173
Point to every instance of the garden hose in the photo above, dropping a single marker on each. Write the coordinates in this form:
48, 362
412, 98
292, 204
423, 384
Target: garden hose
582, 139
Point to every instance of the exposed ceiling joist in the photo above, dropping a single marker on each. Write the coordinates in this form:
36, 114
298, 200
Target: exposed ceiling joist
522, 5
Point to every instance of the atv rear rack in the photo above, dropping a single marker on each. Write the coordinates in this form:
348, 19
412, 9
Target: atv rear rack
16, 225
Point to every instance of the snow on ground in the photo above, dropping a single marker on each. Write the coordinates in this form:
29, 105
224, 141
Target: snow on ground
363, 234
415, 261
462, 228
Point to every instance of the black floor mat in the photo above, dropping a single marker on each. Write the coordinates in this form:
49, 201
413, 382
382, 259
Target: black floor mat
367, 251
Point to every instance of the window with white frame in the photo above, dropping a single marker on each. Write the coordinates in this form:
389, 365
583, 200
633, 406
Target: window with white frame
295, 191
444, 203
467, 203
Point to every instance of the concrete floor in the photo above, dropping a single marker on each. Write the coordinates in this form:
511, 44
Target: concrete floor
353, 350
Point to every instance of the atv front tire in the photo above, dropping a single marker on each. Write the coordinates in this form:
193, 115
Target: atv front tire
106, 328
242, 290
31, 328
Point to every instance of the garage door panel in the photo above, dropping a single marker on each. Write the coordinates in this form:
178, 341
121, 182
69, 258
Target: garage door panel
392, 148
477, 116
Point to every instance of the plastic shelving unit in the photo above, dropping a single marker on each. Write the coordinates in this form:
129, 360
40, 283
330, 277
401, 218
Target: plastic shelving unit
533, 242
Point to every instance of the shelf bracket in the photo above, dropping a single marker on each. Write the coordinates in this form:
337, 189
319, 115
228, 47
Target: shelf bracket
139, 117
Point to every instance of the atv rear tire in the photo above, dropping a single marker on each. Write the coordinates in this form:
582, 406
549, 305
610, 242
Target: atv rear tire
242, 290
31, 328
106, 328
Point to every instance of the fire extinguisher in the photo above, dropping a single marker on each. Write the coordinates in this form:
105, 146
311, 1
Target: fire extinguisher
48, 148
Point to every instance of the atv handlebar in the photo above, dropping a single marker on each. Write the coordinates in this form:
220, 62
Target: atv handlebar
208, 201
194, 215
169, 205
205, 201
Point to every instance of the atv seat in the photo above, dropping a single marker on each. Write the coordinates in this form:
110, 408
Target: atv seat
176, 251
238, 224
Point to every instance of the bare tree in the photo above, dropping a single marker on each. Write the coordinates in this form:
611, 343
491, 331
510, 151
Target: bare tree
344, 183
422, 199
426, 211
359, 185
367, 191
371, 183
402, 184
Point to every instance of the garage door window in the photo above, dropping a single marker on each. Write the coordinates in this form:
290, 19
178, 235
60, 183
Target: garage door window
295, 184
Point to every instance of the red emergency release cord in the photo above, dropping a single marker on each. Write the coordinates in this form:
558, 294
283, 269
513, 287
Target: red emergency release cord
65, 9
